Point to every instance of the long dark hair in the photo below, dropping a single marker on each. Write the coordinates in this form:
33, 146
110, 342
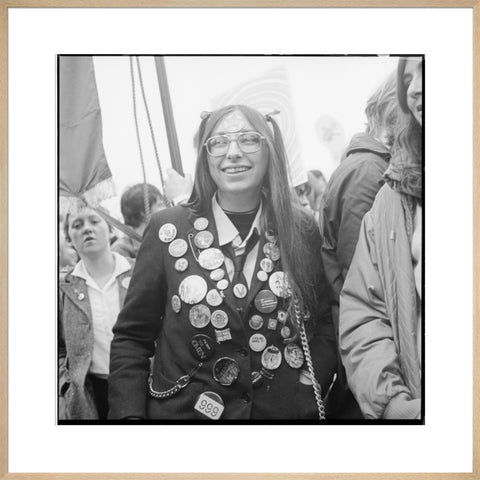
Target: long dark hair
281, 212
407, 162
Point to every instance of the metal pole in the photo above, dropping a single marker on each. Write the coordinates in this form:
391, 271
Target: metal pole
168, 115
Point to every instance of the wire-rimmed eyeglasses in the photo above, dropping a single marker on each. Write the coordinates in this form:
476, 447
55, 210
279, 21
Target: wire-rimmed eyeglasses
248, 142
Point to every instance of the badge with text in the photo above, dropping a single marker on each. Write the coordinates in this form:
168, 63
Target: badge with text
202, 347
226, 371
271, 358
211, 258
193, 289
209, 405
223, 335
265, 301
257, 342
167, 232
199, 316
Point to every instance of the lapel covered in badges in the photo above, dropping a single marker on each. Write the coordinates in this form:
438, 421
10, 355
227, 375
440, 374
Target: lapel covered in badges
256, 285
228, 297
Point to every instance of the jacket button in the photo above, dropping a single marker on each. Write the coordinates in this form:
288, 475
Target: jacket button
243, 352
245, 398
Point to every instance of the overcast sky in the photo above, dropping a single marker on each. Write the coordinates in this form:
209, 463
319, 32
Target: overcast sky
326, 97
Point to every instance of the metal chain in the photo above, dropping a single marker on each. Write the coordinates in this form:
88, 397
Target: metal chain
308, 358
162, 181
146, 201
181, 383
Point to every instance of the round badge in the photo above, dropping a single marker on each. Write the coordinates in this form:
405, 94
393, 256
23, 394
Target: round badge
217, 274
266, 265
202, 347
181, 264
255, 322
203, 239
237, 241
176, 304
285, 332
199, 316
222, 284
271, 358
192, 289
178, 248
240, 290
126, 282
201, 223
262, 276
270, 236
279, 284
293, 355
214, 298
282, 316
211, 258
257, 342
226, 371
219, 319
265, 301
167, 232
271, 251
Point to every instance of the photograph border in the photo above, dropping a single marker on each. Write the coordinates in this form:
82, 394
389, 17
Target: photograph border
5, 5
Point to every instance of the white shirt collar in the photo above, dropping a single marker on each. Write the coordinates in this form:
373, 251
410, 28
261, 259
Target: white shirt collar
121, 266
227, 232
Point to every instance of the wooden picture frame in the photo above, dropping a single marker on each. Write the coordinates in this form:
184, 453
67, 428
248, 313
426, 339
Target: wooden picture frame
6, 5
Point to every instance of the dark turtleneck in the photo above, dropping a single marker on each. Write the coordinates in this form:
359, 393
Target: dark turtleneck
242, 220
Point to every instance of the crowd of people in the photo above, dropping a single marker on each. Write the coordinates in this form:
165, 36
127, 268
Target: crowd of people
248, 299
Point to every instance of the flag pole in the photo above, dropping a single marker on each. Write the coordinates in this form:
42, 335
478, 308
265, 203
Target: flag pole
168, 114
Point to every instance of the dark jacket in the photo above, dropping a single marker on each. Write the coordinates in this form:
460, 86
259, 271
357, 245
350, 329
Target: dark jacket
349, 195
149, 326
75, 345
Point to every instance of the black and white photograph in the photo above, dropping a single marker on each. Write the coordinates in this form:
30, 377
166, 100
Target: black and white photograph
240, 239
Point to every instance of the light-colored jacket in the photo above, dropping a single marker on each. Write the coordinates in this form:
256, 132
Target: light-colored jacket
378, 313
75, 346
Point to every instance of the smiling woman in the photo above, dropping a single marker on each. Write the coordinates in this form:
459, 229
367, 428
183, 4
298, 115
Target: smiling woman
228, 294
